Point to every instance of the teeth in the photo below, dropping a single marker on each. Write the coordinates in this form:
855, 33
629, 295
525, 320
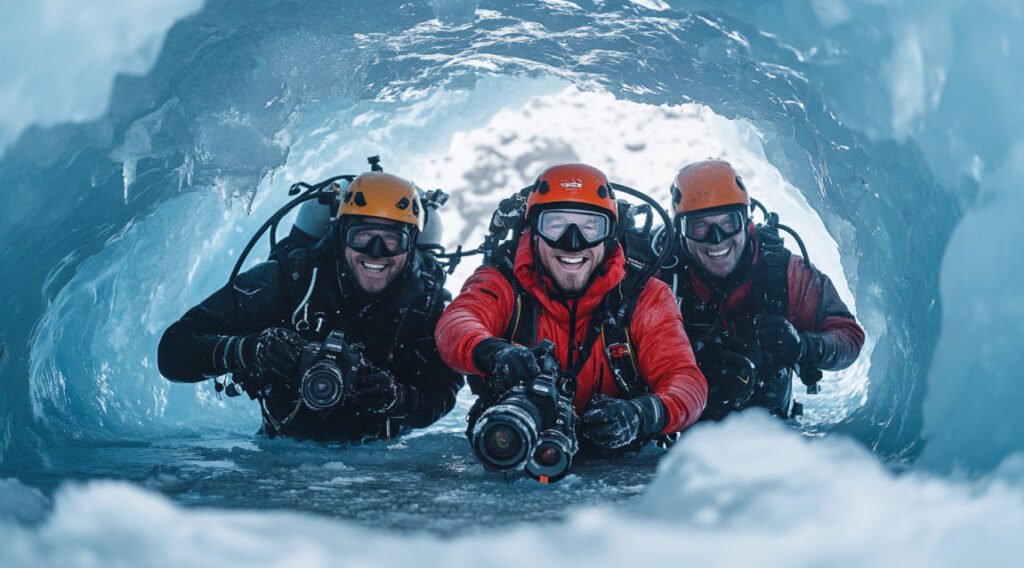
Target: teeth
571, 259
372, 266
719, 253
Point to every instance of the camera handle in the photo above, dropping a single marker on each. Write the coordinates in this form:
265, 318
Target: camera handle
548, 363
545, 359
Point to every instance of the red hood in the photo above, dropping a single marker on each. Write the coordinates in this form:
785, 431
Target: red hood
612, 272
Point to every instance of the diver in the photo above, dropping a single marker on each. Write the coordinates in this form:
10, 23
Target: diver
335, 340
754, 312
548, 301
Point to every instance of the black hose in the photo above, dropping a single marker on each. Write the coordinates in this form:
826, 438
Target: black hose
799, 241
669, 232
457, 254
657, 239
311, 192
755, 204
271, 222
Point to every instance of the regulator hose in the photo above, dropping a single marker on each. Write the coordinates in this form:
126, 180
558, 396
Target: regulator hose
667, 232
316, 191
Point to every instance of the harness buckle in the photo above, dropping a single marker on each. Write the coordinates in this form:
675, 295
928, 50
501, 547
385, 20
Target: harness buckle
619, 350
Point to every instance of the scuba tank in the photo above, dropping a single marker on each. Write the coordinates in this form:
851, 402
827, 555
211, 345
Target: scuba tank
318, 206
314, 218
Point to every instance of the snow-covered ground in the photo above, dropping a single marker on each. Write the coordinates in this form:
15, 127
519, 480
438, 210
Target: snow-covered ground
747, 492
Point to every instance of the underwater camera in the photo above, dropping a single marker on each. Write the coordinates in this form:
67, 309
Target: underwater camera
532, 426
326, 366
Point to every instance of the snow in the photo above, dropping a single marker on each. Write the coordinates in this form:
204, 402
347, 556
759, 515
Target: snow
808, 502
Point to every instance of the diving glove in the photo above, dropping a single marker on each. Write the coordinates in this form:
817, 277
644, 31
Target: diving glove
777, 337
506, 364
723, 364
268, 355
613, 423
378, 392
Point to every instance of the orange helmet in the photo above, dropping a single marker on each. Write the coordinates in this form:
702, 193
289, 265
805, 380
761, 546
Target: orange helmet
572, 183
708, 185
381, 195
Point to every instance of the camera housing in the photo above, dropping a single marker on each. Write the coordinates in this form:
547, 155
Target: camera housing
327, 367
531, 427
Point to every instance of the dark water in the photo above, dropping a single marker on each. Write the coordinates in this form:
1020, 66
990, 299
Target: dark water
429, 482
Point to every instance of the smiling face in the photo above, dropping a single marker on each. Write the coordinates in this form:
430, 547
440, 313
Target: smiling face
571, 271
721, 259
375, 274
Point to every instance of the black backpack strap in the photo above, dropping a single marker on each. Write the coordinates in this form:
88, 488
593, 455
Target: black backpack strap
775, 278
618, 344
682, 287
621, 354
431, 276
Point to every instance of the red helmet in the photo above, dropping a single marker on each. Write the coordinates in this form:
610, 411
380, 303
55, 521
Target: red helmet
572, 184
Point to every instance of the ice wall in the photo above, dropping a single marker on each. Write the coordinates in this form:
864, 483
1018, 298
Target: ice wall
61, 56
854, 109
973, 416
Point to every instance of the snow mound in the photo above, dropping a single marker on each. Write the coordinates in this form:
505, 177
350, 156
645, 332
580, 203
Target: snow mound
809, 502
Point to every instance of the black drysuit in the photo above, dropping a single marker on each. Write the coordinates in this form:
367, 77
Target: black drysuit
395, 327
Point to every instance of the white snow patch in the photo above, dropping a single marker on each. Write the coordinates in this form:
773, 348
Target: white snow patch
21, 503
656, 5
745, 492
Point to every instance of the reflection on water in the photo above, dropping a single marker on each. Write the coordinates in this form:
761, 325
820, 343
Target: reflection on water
430, 483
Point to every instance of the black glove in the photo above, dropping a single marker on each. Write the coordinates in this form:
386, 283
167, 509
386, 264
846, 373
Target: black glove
779, 339
266, 356
378, 392
816, 349
506, 364
613, 423
725, 364
732, 380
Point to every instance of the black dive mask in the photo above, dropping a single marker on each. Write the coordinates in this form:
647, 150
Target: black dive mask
378, 241
573, 231
702, 229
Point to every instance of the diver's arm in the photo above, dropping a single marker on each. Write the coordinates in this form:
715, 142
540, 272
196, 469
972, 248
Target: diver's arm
431, 386
481, 311
206, 341
831, 338
666, 358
